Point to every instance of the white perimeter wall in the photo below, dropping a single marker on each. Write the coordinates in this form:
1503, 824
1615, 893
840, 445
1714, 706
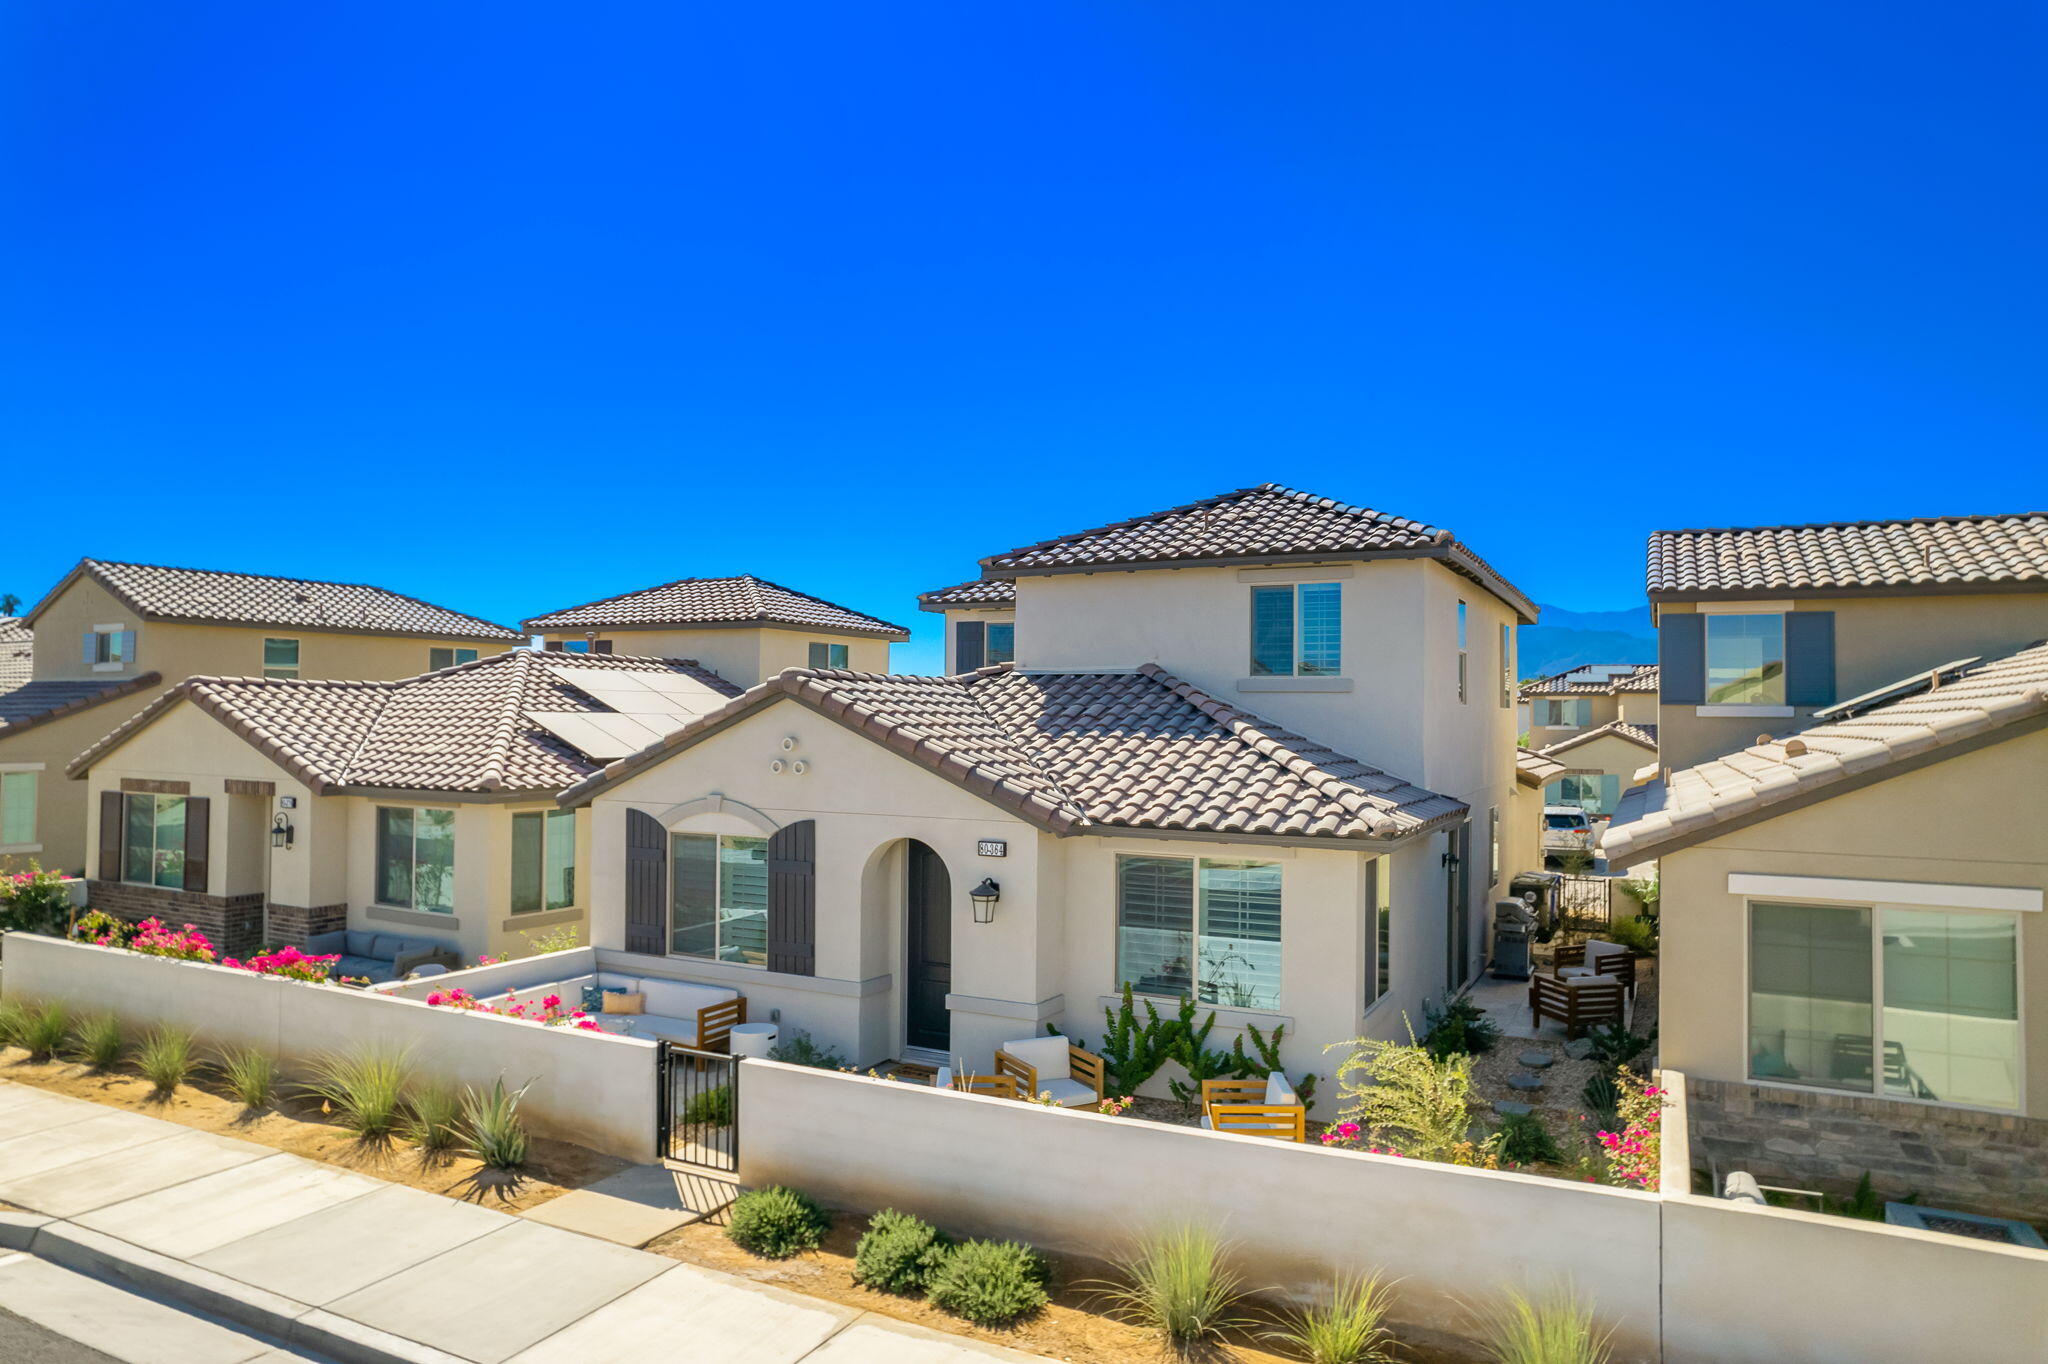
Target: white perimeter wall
593, 1089
1714, 1281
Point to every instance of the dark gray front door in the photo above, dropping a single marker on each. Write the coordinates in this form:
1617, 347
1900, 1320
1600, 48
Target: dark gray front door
930, 921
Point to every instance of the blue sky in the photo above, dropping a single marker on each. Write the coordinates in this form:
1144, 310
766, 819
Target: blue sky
512, 306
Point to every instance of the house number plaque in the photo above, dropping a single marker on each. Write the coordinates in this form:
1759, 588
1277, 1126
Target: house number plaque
992, 847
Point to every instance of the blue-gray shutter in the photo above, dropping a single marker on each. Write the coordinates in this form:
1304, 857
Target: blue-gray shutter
92, 646
793, 899
646, 884
968, 650
127, 646
1809, 658
1682, 660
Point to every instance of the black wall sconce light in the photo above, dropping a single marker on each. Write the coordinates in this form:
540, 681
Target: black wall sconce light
281, 832
985, 896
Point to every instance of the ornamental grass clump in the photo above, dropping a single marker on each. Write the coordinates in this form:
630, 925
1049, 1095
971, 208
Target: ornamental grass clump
990, 1283
1177, 1282
13, 1020
43, 1031
776, 1223
166, 1059
1554, 1329
433, 1119
1348, 1328
492, 1129
899, 1253
99, 1043
364, 1089
250, 1075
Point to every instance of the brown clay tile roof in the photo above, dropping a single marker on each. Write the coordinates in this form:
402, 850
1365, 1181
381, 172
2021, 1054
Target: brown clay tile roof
214, 597
17, 653
460, 729
1999, 699
1256, 525
1533, 769
745, 600
1954, 553
1577, 682
1094, 753
1642, 735
35, 703
977, 592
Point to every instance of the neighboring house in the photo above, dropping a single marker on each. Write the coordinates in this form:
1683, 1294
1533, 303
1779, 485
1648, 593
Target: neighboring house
1522, 829
1761, 629
17, 653
266, 811
745, 629
1603, 763
1568, 704
1113, 784
981, 622
1853, 944
110, 630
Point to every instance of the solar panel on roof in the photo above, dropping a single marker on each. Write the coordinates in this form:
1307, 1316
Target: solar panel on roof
1896, 691
575, 728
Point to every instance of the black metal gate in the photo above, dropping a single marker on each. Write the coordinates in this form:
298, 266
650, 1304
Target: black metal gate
1585, 905
697, 1103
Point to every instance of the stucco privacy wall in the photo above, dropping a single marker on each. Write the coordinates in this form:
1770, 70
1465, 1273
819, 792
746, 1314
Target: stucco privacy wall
596, 1090
1714, 1281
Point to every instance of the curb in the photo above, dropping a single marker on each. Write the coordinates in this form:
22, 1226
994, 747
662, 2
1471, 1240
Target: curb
288, 1320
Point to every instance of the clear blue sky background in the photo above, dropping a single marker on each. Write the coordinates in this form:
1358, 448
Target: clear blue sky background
511, 306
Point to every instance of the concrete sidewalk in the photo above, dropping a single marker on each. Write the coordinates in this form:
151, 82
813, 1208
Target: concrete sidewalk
351, 1268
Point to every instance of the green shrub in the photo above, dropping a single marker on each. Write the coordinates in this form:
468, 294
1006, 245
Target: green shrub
433, 1118
1556, 1329
799, 1050
1638, 935
1462, 1029
776, 1223
492, 1129
1405, 1098
1176, 1283
99, 1041
1615, 1046
364, 1089
990, 1283
1602, 1096
1350, 1328
1524, 1140
249, 1074
898, 1253
13, 1021
711, 1107
43, 1030
165, 1058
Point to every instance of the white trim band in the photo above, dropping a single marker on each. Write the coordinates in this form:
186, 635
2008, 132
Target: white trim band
1925, 894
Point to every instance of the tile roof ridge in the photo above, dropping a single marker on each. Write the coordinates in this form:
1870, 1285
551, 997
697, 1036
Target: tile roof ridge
101, 564
1848, 525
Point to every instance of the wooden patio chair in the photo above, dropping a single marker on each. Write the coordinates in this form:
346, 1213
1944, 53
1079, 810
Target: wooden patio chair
715, 1023
994, 1086
1604, 958
1053, 1065
1579, 1003
1255, 1108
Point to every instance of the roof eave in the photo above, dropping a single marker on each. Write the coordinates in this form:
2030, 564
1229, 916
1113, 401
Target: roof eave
1678, 596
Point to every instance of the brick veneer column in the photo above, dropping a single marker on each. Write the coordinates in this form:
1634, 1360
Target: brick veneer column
293, 924
233, 923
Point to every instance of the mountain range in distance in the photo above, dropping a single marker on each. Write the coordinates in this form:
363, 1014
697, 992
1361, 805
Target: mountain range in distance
1564, 639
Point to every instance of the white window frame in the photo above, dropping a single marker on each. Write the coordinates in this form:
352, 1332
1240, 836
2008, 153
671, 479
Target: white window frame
454, 856
1195, 934
108, 656
1493, 839
1877, 907
576, 877
277, 670
155, 798
988, 642
1295, 631
1757, 709
843, 652
455, 654
1464, 658
1379, 930
1507, 666
33, 771
718, 922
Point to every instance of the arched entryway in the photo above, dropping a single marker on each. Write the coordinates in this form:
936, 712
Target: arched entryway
928, 936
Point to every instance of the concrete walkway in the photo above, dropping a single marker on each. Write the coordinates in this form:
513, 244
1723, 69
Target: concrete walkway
347, 1267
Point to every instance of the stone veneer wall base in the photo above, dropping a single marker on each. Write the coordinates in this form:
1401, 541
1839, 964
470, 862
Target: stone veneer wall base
1994, 1164
293, 924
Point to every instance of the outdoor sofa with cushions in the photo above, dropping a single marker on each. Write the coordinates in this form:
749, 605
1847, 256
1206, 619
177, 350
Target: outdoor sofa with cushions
1053, 1065
380, 956
700, 1016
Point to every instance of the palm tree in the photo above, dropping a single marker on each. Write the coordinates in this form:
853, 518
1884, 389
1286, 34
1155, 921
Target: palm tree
9, 603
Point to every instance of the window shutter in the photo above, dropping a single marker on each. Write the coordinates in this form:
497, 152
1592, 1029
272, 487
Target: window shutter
92, 647
110, 833
127, 646
553, 646
1682, 659
197, 819
646, 884
1809, 658
603, 646
793, 899
967, 645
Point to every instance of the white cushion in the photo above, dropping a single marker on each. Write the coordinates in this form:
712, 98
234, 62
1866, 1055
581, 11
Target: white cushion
1595, 950
1278, 1091
1047, 1055
681, 1031
678, 1000
1066, 1093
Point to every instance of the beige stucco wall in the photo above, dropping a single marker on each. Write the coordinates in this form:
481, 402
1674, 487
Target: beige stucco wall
1979, 820
1878, 641
333, 856
741, 655
1610, 755
60, 843
1600, 710
992, 616
1050, 954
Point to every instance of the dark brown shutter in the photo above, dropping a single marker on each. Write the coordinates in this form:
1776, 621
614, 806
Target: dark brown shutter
603, 646
793, 899
553, 646
110, 835
646, 884
969, 638
197, 823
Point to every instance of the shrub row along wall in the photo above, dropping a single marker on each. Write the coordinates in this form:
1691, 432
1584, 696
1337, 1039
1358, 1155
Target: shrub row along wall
1697, 1279
594, 1089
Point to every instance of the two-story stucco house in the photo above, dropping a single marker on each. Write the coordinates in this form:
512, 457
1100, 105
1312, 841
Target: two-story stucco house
1761, 628
1601, 721
270, 810
113, 631
1258, 749
746, 629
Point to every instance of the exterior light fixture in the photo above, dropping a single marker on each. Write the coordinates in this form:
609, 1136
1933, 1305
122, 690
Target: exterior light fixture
985, 896
281, 832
